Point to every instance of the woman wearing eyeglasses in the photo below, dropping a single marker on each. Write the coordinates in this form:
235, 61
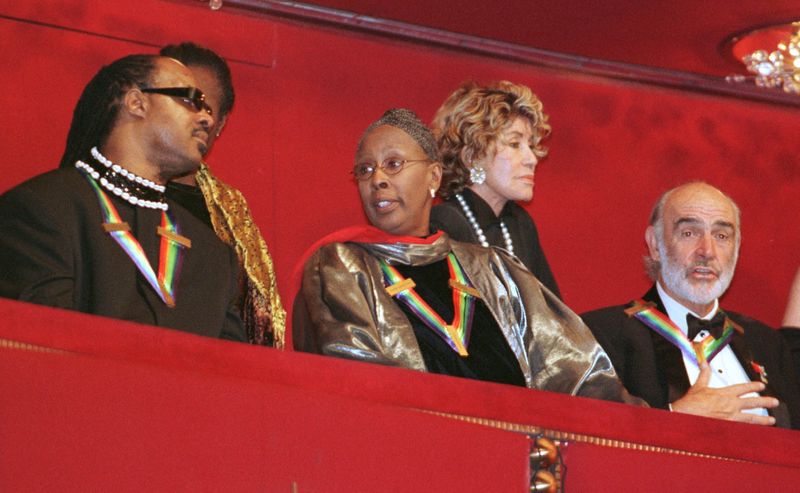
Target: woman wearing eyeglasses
398, 294
490, 138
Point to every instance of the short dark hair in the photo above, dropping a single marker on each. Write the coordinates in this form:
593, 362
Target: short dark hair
96, 111
189, 53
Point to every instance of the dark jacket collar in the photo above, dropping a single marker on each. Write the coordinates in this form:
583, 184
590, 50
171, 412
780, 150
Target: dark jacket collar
483, 212
673, 371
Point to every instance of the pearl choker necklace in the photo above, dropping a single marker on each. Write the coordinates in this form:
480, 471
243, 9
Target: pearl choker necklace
124, 184
127, 174
479, 231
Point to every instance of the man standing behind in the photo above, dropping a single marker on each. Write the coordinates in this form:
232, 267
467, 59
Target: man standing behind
98, 234
676, 348
224, 208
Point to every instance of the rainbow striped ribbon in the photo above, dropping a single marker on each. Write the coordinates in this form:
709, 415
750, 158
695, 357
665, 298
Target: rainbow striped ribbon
171, 253
456, 334
704, 350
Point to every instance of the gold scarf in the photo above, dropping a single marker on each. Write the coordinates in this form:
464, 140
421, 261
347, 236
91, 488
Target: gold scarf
262, 312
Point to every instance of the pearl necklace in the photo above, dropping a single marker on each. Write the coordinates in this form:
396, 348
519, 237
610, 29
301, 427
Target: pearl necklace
479, 231
125, 184
127, 174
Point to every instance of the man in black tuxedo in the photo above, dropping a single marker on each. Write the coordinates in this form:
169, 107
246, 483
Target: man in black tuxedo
98, 235
657, 344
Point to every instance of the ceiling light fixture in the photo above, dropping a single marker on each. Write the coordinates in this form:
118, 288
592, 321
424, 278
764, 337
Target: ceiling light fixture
778, 68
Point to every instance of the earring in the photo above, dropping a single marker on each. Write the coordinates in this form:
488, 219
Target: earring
433, 193
477, 175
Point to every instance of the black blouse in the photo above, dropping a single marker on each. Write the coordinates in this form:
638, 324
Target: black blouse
191, 198
490, 357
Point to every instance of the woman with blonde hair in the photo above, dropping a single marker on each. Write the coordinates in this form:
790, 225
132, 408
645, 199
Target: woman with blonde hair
490, 141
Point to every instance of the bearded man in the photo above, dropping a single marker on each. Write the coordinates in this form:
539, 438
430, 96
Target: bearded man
676, 348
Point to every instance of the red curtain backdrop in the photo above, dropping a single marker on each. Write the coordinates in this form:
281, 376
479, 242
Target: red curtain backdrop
305, 92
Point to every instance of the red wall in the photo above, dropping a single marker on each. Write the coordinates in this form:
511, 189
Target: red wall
305, 93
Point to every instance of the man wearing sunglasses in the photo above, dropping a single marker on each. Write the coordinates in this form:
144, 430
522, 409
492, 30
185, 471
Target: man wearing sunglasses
224, 208
98, 235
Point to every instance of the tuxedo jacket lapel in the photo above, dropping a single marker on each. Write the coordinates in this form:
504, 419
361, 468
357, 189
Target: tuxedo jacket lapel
671, 364
668, 357
742, 351
744, 355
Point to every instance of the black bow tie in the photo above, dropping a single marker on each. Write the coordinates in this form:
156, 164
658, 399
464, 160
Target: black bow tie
714, 326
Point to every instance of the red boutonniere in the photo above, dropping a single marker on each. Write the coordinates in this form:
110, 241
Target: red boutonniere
762, 372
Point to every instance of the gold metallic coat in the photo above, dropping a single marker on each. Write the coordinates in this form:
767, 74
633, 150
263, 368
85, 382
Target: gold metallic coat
345, 311
262, 312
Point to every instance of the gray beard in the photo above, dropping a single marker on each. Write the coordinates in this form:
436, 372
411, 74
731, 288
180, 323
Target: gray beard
675, 279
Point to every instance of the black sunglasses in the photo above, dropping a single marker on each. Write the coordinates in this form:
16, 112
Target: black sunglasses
190, 95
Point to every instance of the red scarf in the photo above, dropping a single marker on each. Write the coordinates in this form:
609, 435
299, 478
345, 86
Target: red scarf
357, 234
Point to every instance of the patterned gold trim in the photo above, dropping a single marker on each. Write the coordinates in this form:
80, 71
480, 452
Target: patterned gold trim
565, 436
24, 346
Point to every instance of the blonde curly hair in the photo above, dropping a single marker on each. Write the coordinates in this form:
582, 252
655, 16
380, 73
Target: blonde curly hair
468, 125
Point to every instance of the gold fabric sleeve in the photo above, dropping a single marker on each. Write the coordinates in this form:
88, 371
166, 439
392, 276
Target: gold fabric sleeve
262, 311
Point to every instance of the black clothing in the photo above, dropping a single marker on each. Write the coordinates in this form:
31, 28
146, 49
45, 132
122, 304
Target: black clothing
792, 337
449, 217
652, 368
715, 326
490, 359
191, 198
54, 251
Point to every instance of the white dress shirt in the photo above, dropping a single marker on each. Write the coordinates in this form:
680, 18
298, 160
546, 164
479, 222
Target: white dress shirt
725, 367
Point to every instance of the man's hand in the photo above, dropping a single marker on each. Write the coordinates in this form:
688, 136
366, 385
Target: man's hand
725, 402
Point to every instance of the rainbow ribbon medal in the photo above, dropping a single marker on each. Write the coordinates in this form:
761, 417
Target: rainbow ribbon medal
171, 252
455, 334
699, 352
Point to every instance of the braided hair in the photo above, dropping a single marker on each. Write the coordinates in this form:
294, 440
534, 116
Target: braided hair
96, 112
407, 121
